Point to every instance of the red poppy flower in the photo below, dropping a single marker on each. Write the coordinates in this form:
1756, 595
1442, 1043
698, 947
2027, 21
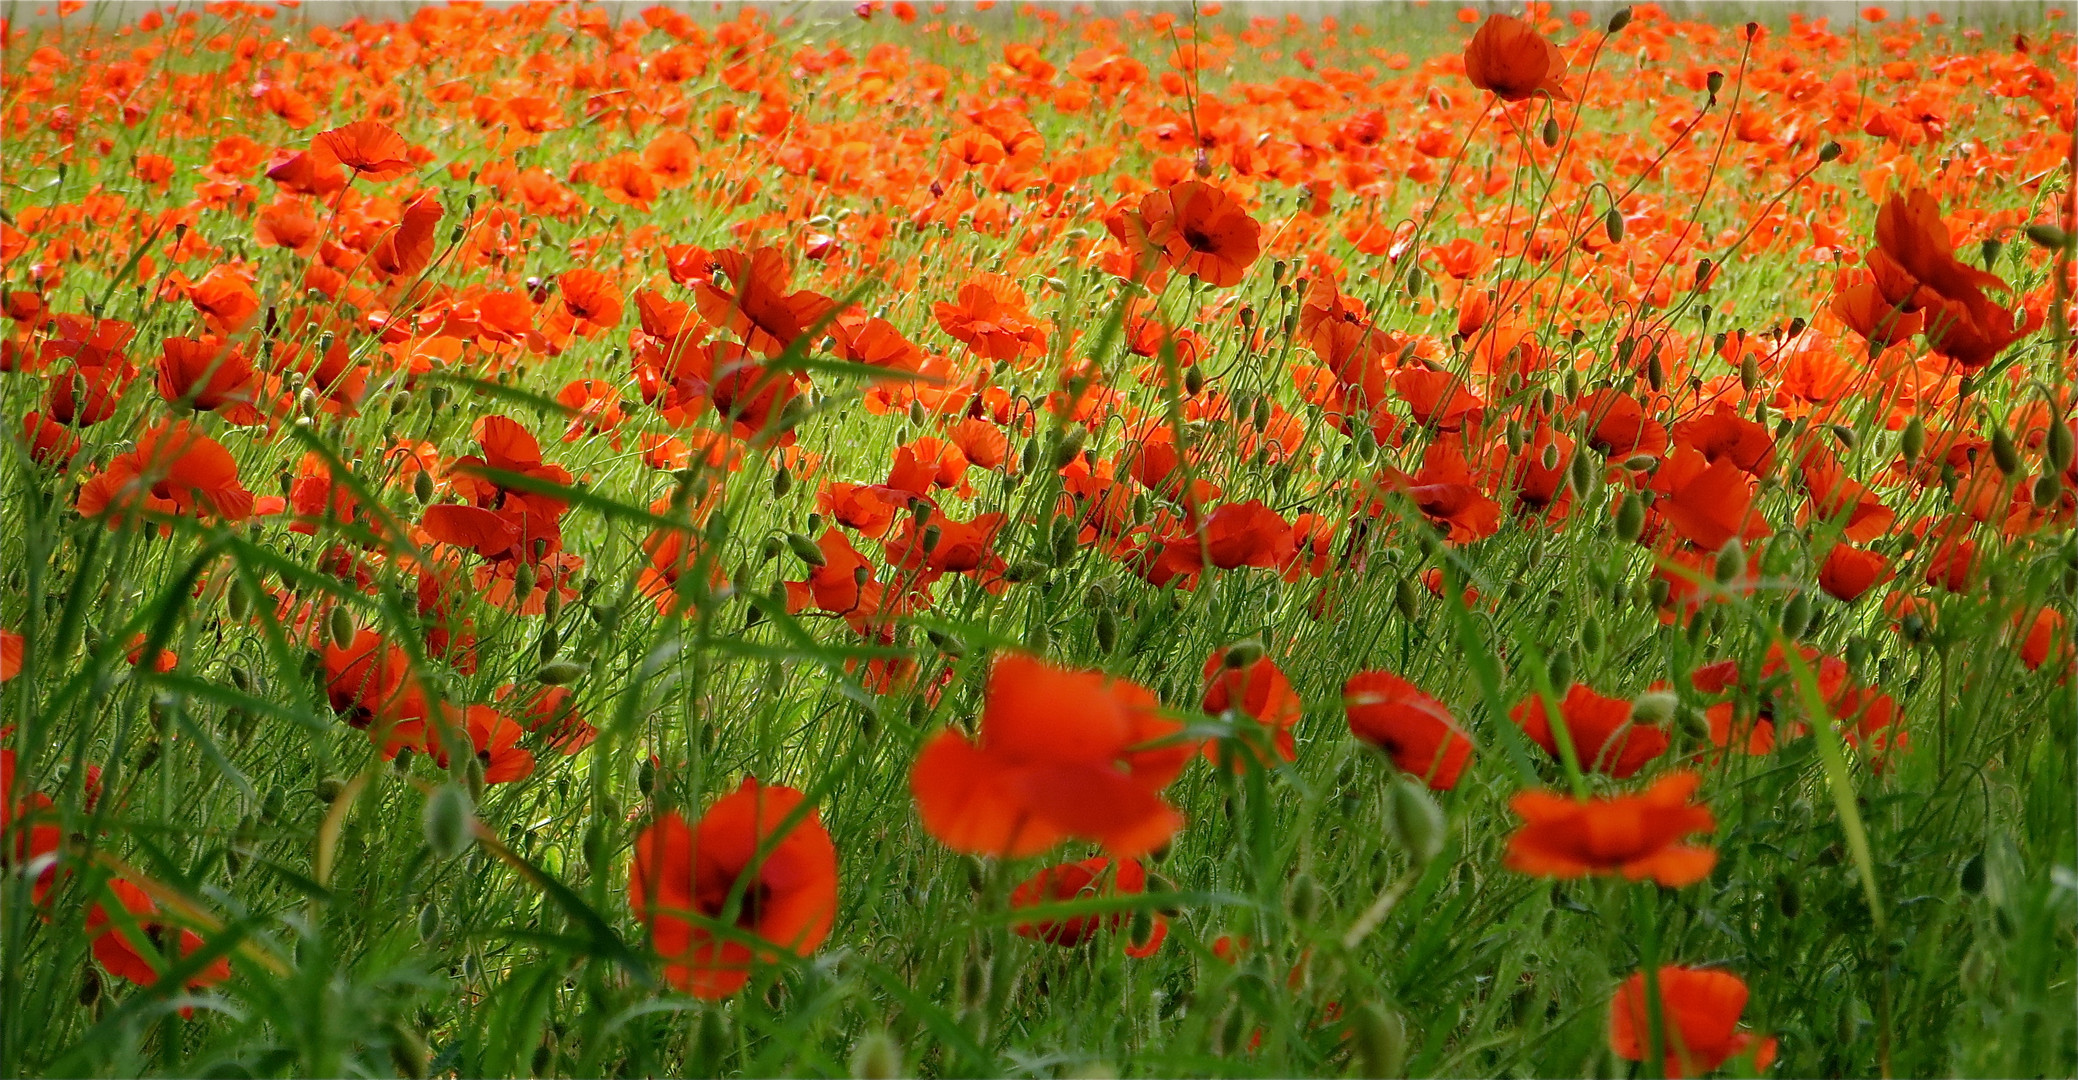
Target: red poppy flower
1414, 729
1199, 230
174, 470
211, 376
1085, 880
370, 148
1632, 835
1514, 61
1849, 572
1258, 690
990, 316
1708, 503
747, 297
1062, 754
684, 877
1699, 1021
1603, 736
117, 943
407, 250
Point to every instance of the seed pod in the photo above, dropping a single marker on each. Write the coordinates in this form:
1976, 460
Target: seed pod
447, 819
559, 673
1796, 615
1630, 518
1414, 819
1612, 223
342, 626
876, 1057
1829, 151
2003, 453
805, 550
1379, 1033
1731, 559
1551, 131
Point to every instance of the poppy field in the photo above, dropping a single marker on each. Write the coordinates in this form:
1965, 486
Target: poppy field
975, 539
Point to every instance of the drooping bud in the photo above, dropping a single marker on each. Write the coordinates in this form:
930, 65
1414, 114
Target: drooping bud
447, 819
1414, 819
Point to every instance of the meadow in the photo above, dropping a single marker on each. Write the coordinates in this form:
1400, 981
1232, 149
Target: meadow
975, 540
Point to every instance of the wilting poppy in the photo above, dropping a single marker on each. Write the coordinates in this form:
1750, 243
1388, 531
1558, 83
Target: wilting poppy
1062, 754
1632, 835
685, 876
1414, 729
1601, 729
1699, 1021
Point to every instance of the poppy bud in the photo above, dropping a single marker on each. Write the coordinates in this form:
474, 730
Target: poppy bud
1404, 597
428, 923
1829, 151
1582, 474
89, 987
1414, 819
447, 819
1655, 371
2056, 449
1590, 635
1972, 876
1621, 19
1630, 518
342, 626
2049, 236
2048, 489
1262, 413
1714, 82
1654, 708
1305, 898
917, 415
1551, 131
1730, 561
930, 537
559, 673
1069, 448
1380, 1034
550, 642
782, 482
1843, 433
1796, 615
877, 1057
1612, 223
1703, 268
2003, 452
1242, 653
422, 487
1193, 380
805, 550
1024, 570
238, 604
1913, 440
1107, 630
1061, 541
1415, 280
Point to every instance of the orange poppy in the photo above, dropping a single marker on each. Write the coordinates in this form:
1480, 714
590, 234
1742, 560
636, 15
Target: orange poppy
174, 470
1603, 736
1632, 835
116, 942
1084, 880
1510, 58
1699, 1021
1199, 230
1258, 690
1061, 754
368, 147
684, 877
210, 376
1413, 729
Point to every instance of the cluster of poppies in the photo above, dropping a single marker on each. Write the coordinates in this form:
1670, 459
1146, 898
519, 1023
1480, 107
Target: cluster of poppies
1260, 374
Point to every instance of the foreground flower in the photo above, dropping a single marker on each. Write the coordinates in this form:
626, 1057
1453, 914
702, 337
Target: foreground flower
1510, 58
1084, 880
684, 877
1699, 1021
1632, 835
1261, 691
1414, 729
1061, 754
